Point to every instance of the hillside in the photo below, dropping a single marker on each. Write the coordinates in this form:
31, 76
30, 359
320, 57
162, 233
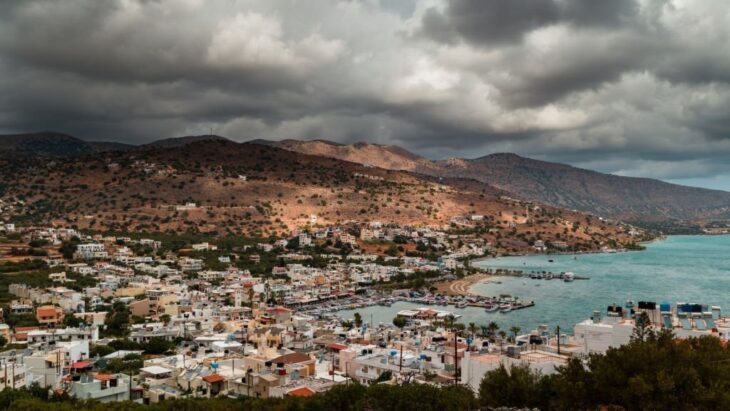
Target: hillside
631, 199
638, 200
377, 155
180, 141
51, 144
282, 190
565, 186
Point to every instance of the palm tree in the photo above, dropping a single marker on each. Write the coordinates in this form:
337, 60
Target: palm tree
492, 327
514, 330
484, 330
472, 328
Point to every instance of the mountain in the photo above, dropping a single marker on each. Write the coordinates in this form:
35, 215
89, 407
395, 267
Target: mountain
640, 200
59, 145
632, 199
627, 198
180, 141
378, 155
255, 189
52, 144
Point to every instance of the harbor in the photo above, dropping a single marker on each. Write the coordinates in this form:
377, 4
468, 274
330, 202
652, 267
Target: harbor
502, 304
664, 271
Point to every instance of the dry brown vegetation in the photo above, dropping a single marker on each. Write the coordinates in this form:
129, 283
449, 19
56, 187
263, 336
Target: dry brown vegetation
140, 190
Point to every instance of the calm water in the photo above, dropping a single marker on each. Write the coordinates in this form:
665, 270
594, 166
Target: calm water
680, 268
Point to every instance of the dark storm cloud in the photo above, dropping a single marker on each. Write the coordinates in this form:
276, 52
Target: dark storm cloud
485, 22
635, 87
489, 21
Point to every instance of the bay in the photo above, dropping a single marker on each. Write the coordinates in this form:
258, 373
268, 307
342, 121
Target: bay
676, 269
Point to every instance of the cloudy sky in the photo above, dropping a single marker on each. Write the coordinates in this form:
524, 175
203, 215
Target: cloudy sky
633, 87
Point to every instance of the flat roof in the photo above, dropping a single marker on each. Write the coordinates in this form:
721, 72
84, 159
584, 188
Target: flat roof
155, 370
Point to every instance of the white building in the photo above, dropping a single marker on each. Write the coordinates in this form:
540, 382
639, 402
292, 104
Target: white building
474, 366
91, 251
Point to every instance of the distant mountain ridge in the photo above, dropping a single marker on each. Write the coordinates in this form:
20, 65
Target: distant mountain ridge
627, 198
181, 141
52, 144
222, 187
560, 185
59, 145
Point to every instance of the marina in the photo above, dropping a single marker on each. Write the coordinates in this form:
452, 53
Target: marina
678, 268
661, 272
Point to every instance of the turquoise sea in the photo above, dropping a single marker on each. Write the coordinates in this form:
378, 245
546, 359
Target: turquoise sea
679, 268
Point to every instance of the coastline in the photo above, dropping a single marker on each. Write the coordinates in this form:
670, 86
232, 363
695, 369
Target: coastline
462, 286
623, 250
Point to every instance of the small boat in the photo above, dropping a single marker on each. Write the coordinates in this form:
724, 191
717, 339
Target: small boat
568, 277
505, 308
461, 304
551, 261
491, 308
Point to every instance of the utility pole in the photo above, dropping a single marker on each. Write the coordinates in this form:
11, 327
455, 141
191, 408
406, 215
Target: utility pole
456, 361
558, 331
400, 363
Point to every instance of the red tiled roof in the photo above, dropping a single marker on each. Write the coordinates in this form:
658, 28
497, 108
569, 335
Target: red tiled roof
301, 392
105, 377
279, 310
293, 358
46, 311
81, 364
213, 378
336, 346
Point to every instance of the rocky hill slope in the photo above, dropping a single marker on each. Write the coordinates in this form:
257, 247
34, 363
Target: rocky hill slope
560, 185
253, 189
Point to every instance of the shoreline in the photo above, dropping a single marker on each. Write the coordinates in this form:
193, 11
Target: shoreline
647, 242
462, 286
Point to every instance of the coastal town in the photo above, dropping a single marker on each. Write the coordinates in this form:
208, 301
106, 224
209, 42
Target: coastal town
147, 318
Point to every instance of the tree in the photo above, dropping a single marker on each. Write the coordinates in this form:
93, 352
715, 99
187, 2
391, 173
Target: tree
517, 387
358, 320
514, 330
385, 376
158, 345
117, 321
399, 321
3, 341
67, 249
643, 329
165, 318
73, 321
492, 327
